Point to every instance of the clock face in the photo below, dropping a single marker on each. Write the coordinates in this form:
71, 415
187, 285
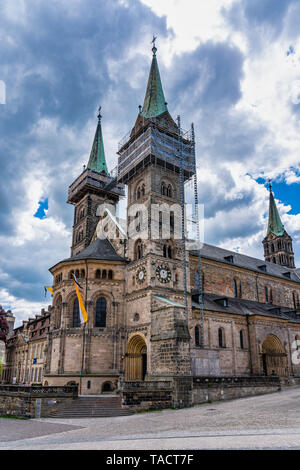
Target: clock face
163, 274
141, 275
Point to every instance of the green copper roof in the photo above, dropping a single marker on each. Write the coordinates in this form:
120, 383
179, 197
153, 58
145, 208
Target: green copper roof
275, 225
154, 103
97, 161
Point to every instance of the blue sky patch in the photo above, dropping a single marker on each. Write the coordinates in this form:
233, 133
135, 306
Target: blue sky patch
43, 206
286, 193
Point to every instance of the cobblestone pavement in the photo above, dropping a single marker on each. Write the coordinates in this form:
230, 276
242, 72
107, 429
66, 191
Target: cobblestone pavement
263, 422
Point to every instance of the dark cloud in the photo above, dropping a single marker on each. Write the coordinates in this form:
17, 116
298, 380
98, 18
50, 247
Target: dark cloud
207, 78
55, 65
260, 20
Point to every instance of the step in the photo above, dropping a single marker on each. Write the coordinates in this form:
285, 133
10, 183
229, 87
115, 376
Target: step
91, 407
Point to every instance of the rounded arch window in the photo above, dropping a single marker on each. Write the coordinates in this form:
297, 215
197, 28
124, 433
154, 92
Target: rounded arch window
221, 337
107, 387
76, 314
242, 339
197, 336
98, 274
101, 311
138, 252
58, 307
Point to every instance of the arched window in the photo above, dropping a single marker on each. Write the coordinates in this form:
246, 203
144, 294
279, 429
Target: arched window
271, 295
138, 194
295, 300
266, 294
235, 288
197, 336
71, 274
104, 274
101, 313
77, 273
172, 222
76, 314
242, 339
163, 189
169, 191
138, 225
170, 254
110, 274
98, 274
221, 337
165, 251
143, 190
138, 252
82, 273
58, 306
107, 387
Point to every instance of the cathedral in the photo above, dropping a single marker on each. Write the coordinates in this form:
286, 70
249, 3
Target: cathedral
160, 311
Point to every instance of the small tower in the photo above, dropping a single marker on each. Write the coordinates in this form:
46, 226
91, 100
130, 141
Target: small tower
278, 245
92, 188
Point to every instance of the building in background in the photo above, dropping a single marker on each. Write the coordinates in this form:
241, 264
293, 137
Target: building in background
10, 319
25, 351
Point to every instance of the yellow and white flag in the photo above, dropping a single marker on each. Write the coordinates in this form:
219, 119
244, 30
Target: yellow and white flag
83, 314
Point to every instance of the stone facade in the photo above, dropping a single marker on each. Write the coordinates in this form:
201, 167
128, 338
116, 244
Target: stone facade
26, 351
146, 332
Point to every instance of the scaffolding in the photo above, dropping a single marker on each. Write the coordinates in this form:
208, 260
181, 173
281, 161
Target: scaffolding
161, 143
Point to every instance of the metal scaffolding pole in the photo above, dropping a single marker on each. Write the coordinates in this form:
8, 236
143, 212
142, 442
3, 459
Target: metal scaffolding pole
199, 284
181, 180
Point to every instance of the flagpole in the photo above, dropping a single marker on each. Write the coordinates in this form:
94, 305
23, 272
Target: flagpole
83, 332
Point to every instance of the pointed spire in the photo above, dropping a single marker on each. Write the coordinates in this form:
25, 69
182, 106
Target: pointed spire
275, 225
97, 161
154, 103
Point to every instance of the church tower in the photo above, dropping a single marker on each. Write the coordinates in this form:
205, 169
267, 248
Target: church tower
278, 245
92, 188
155, 159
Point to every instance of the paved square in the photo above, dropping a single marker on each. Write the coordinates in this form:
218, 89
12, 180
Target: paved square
263, 422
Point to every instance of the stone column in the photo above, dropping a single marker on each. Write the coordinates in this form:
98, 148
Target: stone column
170, 352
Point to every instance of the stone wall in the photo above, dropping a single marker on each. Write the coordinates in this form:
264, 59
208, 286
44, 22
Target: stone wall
150, 395
210, 389
179, 392
34, 401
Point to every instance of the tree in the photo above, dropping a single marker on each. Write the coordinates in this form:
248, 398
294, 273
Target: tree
3, 325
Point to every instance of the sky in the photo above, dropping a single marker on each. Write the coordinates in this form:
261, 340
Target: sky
232, 67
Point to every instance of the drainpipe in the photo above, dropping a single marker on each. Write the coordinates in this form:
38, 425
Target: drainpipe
249, 345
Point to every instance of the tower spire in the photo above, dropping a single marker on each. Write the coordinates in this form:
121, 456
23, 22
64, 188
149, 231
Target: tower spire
154, 102
97, 160
275, 225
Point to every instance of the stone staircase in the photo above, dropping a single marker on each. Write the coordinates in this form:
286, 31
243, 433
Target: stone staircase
90, 407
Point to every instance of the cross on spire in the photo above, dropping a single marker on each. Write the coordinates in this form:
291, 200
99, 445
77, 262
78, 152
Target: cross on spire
270, 184
154, 102
154, 49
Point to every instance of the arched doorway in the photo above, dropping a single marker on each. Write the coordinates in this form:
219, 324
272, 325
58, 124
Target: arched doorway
274, 357
136, 359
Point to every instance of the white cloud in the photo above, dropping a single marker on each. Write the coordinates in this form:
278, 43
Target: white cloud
21, 308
